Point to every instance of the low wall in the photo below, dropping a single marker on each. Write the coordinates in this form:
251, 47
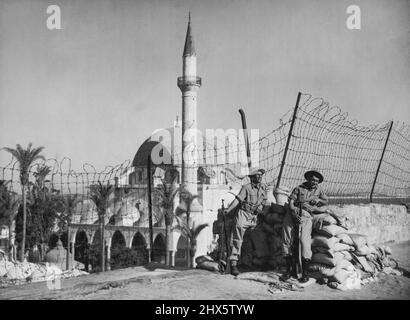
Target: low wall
379, 222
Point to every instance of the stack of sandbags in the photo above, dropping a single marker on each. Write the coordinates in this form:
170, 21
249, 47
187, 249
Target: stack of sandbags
332, 257
346, 258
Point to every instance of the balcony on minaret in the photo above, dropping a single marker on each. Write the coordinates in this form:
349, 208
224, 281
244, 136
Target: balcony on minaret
189, 81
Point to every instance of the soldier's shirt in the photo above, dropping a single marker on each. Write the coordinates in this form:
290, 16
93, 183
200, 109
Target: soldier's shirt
253, 193
307, 194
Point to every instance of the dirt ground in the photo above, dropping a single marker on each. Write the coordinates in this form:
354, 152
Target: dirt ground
160, 283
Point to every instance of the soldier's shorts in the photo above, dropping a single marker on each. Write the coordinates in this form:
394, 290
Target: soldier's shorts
305, 236
242, 222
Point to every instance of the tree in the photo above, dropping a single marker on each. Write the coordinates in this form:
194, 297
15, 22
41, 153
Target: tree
44, 205
9, 205
167, 192
188, 228
69, 204
99, 194
25, 158
191, 234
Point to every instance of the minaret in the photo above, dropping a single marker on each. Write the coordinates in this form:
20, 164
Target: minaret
189, 84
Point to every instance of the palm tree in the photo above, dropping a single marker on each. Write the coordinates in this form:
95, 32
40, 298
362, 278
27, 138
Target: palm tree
188, 229
69, 204
40, 176
191, 234
9, 205
99, 194
25, 158
167, 192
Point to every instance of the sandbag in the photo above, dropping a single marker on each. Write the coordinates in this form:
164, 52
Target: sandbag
347, 255
208, 265
365, 265
326, 259
386, 249
359, 240
342, 247
324, 250
322, 268
330, 230
345, 264
347, 280
321, 241
340, 275
273, 218
345, 238
203, 258
363, 251
276, 208
322, 219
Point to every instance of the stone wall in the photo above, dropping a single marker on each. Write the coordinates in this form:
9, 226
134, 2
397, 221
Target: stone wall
379, 222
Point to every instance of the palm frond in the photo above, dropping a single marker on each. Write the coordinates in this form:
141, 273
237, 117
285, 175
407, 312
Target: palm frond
197, 230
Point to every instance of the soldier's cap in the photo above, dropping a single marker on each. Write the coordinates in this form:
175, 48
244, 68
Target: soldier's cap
310, 173
257, 171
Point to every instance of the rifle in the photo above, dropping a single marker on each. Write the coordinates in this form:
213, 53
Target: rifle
297, 245
225, 236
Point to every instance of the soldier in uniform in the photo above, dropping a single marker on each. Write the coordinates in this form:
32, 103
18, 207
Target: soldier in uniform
309, 196
251, 199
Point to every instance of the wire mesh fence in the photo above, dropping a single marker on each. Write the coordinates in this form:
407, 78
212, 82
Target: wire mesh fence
353, 159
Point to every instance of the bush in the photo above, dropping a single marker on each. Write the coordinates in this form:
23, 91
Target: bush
121, 257
125, 257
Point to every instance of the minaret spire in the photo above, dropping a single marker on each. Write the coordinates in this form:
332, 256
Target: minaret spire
189, 48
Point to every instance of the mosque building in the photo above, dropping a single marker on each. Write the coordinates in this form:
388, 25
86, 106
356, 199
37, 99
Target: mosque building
210, 182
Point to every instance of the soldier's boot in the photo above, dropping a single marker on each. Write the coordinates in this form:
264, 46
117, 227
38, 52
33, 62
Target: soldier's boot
286, 276
305, 273
234, 268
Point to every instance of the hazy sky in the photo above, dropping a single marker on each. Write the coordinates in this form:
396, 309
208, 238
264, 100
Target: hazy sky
96, 89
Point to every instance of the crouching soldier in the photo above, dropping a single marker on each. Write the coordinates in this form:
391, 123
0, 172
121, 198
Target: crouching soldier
308, 196
251, 200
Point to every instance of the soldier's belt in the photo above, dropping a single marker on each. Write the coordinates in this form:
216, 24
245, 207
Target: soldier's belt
249, 207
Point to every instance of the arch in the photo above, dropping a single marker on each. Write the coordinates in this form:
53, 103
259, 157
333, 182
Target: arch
118, 240
158, 250
139, 245
81, 248
181, 256
138, 240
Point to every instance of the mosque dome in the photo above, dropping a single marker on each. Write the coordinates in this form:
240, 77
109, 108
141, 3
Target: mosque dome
140, 158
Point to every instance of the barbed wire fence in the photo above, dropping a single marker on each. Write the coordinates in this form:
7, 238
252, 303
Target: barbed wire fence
360, 164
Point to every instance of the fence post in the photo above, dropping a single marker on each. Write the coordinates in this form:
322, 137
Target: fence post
288, 140
381, 160
245, 133
151, 236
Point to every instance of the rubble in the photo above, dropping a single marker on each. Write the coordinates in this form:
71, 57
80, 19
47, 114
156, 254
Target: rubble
25, 272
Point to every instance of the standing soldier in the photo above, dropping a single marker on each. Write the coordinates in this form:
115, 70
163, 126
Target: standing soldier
308, 196
251, 200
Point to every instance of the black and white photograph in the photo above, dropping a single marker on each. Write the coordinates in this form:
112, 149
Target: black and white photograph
195, 152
